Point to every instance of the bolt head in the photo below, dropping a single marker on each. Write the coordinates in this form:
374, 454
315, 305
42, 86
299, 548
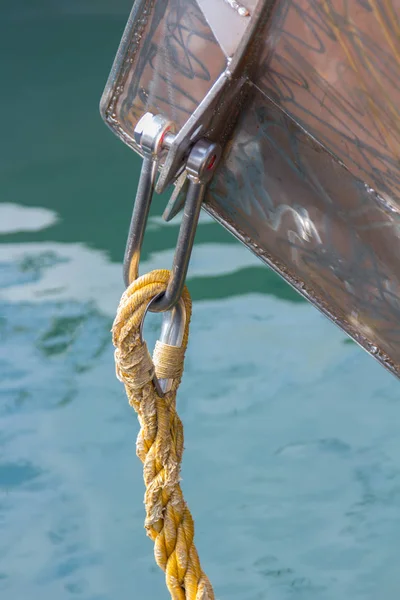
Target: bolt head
150, 132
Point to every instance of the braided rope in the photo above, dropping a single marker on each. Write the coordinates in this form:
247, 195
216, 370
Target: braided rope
160, 441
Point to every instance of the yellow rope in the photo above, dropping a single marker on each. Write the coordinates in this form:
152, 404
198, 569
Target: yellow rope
160, 441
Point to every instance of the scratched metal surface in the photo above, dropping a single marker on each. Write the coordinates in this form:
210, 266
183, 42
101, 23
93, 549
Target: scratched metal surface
335, 242
169, 61
319, 136
334, 65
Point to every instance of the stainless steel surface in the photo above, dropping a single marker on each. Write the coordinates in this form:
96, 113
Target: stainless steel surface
195, 127
162, 49
216, 115
310, 176
228, 22
329, 234
155, 84
334, 67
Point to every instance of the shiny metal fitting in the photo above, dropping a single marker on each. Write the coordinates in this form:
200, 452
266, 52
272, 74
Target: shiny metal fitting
153, 134
202, 161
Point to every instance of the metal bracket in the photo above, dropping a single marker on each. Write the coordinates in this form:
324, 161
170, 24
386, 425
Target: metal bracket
210, 119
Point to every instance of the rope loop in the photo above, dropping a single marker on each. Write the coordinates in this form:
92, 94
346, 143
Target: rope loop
159, 445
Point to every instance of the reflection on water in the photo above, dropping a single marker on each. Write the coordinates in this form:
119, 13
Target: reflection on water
292, 475
15, 218
291, 464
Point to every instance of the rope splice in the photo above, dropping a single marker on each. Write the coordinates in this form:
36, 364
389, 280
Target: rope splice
159, 446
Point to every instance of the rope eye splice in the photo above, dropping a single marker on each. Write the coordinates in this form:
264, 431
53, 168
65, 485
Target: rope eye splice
151, 384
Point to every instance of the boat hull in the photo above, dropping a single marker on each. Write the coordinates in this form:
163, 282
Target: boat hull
310, 176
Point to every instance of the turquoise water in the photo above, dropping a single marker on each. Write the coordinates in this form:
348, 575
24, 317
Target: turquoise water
292, 453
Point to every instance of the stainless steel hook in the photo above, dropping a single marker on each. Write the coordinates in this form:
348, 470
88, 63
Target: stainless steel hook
153, 134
